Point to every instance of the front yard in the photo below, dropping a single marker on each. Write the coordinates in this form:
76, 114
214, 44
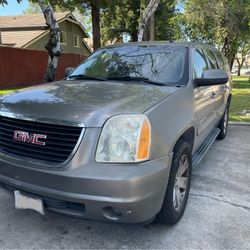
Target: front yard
5, 91
240, 100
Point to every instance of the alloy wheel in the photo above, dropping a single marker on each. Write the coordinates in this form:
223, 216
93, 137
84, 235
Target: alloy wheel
181, 181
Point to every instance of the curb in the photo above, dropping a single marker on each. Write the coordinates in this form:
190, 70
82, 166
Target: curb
239, 123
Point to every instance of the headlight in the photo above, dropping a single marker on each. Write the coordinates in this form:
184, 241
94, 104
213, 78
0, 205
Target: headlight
125, 138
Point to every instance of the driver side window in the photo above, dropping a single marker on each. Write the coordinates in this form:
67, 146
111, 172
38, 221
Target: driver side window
200, 64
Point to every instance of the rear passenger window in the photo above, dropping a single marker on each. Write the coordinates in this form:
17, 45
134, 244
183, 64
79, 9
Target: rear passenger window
222, 61
219, 60
211, 59
200, 64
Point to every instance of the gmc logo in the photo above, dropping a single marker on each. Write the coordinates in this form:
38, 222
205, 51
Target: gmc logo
29, 138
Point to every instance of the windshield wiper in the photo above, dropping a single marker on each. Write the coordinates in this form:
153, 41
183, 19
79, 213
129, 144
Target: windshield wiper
85, 77
135, 78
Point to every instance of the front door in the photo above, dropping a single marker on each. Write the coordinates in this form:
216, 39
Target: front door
205, 100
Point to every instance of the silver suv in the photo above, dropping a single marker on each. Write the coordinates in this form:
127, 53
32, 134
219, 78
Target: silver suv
116, 140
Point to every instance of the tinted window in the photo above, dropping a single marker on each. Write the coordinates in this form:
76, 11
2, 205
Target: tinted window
211, 59
200, 64
222, 61
159, 63
219, 60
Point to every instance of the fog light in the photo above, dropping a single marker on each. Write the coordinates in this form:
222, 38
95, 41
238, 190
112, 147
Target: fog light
112, 213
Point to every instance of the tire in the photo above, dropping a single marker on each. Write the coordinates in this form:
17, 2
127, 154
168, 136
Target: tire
223, 124
173, 208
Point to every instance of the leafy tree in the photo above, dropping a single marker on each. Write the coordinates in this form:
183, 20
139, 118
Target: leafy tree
219, 22
165, 24
5, 2
123, 17
120, 17
33, 8
243, 50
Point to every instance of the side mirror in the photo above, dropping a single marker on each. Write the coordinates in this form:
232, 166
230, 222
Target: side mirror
212, 77
69, 71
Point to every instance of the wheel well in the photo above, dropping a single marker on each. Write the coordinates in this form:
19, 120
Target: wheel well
188, 136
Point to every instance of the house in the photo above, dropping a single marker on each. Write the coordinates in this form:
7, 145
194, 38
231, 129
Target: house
31, 32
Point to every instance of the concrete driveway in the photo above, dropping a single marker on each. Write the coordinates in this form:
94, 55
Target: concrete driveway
217, 214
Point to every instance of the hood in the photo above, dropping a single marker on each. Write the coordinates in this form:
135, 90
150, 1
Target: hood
88, 102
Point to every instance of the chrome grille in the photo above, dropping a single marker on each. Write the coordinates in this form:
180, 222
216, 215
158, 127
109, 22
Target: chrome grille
60, 142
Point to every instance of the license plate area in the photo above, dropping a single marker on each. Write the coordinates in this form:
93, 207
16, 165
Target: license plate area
24, 201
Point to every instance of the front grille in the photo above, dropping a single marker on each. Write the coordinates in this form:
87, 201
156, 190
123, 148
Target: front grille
60, 142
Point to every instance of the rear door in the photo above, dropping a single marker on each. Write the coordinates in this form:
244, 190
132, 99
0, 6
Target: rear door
222, 63
218, 91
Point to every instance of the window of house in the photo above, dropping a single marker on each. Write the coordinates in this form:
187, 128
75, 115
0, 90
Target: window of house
200, 64
76, 41
63, 39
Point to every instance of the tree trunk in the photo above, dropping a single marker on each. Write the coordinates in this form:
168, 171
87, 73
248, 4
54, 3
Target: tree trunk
238, 73
53, 46
152, 27
240, 64
95, 11
134, 36
239, 67
230, 59
230, 50
146, 33
151, 8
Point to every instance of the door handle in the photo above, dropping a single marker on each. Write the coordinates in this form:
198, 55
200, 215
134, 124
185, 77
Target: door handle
213, 95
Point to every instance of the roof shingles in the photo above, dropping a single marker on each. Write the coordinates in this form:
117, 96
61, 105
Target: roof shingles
25, 21
19, 38
17, 31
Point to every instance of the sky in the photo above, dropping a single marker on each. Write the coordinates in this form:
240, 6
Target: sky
13, 8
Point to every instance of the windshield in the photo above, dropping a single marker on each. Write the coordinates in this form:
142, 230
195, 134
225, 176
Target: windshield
158, 63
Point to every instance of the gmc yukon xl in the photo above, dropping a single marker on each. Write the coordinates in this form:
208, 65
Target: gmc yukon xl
117, 138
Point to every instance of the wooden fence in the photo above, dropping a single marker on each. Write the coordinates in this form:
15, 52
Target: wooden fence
24, 67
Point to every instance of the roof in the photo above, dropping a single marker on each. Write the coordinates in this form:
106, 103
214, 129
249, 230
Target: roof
28, 21
19, 31
176, 43
19, 38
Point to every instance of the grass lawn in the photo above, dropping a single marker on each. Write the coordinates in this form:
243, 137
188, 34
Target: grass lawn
5, 91
241, 98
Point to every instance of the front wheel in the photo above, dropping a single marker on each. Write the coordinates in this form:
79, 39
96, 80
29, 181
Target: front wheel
176, 197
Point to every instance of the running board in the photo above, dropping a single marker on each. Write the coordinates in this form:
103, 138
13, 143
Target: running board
202, 150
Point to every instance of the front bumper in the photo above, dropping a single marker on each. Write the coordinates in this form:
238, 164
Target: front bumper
111, 192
